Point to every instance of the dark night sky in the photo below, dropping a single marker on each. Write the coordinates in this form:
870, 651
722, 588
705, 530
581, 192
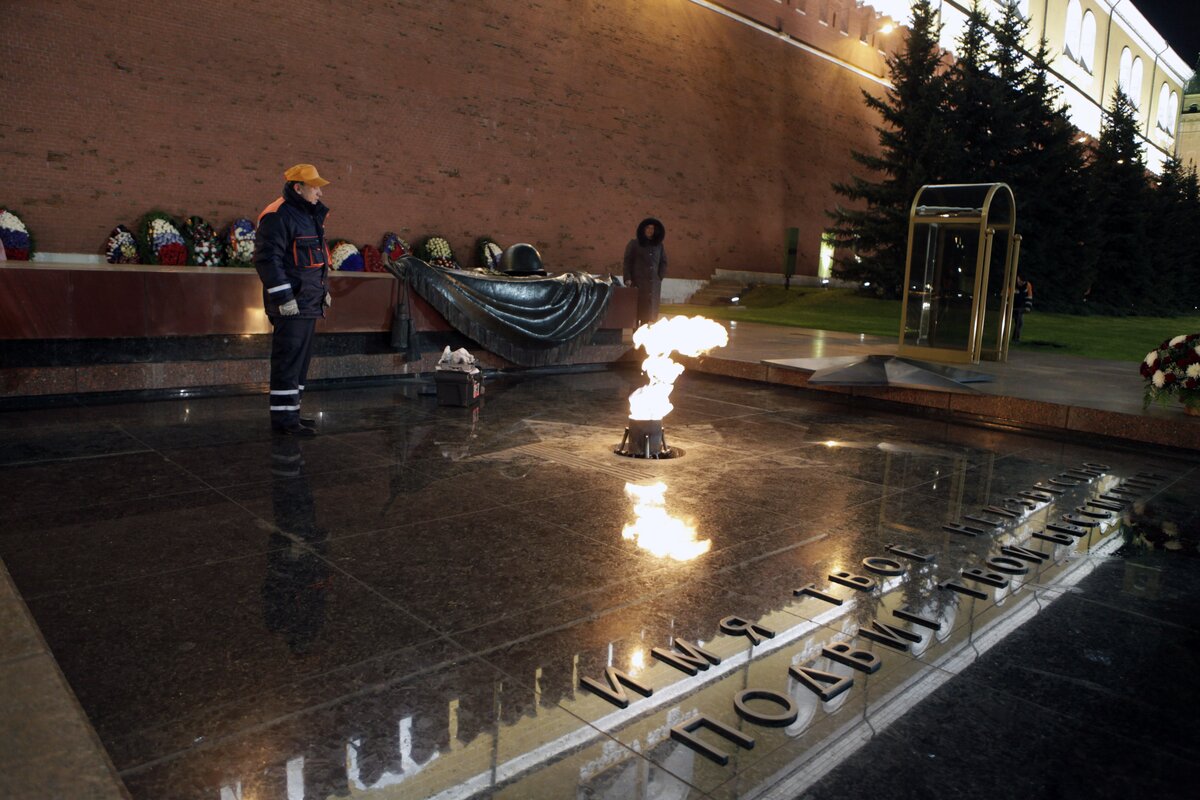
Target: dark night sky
1179, 23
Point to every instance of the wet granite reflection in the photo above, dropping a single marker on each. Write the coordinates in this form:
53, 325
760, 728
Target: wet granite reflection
409, 605
298, 572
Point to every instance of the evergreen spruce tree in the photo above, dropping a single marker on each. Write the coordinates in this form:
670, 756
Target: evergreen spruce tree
1175, 215
981, 123
1041, 158
872, 231
1190, 223
1124, 277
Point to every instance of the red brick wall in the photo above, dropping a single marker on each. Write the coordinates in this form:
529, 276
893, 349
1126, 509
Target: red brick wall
560, 122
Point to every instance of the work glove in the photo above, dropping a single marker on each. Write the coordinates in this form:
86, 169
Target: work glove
290, 309
328, 299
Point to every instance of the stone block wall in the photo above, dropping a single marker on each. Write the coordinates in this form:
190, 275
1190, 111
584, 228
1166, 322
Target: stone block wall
559, 122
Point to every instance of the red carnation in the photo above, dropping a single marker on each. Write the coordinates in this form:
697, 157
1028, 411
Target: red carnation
1190, 383
1168, 378
172, 254
372, 260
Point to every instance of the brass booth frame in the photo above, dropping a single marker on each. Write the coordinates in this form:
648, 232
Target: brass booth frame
944, 220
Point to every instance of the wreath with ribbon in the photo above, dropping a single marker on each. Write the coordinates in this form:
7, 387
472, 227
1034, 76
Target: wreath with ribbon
489, 253
436, 250
394, 248
15, 237
204, 246
160, 241
344, 256
239, 243
372, 259
122, 247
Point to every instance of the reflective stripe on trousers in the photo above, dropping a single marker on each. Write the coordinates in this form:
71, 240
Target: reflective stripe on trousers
291, 353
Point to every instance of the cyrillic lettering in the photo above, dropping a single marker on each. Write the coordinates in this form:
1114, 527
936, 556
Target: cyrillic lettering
790, 712
861, 660
889, 635
910, 554
812, 591
683, 733
1057, 538
958, 587
1034, 556
1008, 565
1087, 512
908, 615
990, 578
1004, 511
826, 685
862, 583
614, 692
883, 566
744, 627
1022, 501
1066, 527
691, 659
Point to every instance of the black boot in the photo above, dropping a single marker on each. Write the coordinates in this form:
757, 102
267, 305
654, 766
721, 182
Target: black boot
293, 429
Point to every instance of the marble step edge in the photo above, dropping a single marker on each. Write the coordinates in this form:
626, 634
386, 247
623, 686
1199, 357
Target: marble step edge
76, 764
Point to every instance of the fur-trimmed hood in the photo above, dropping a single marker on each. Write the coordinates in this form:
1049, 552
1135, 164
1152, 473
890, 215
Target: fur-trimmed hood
660, 232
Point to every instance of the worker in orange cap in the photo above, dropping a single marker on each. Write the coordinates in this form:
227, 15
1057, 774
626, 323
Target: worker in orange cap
292, 260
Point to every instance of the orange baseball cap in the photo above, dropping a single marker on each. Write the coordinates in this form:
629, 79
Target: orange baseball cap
306, 174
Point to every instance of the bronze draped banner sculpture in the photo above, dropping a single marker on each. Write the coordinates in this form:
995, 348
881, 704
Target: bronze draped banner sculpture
530, 321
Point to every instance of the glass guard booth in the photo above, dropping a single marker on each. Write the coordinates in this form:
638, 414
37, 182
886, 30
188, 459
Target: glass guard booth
960, 273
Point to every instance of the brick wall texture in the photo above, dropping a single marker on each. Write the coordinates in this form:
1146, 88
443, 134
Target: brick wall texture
558, 122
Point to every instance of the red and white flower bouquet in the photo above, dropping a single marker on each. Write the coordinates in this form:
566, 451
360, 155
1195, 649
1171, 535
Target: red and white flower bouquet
1172, 370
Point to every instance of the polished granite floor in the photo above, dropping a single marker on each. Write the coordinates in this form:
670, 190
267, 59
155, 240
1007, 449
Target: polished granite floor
406, 606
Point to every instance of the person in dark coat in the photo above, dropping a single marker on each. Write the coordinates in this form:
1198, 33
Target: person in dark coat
292, 259
646, 266
1022, 302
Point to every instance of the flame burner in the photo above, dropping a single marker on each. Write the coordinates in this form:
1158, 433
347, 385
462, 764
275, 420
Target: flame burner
644, 439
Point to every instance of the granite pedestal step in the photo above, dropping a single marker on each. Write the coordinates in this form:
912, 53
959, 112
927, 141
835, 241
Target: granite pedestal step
1169, 428
250, 373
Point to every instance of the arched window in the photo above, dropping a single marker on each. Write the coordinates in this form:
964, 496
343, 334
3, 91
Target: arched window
1168, 104
1074, 25
1087, 41
1125, 71
1135, 81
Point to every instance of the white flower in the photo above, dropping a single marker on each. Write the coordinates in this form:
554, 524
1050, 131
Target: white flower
1177, 340
1151, 357
10, 221
1193, 371
1197, 349
1158, 379
491, 254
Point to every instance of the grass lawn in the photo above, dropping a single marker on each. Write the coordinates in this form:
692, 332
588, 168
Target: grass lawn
1114, 338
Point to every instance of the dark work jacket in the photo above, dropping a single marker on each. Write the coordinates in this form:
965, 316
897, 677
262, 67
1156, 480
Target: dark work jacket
646, 266
291, 256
